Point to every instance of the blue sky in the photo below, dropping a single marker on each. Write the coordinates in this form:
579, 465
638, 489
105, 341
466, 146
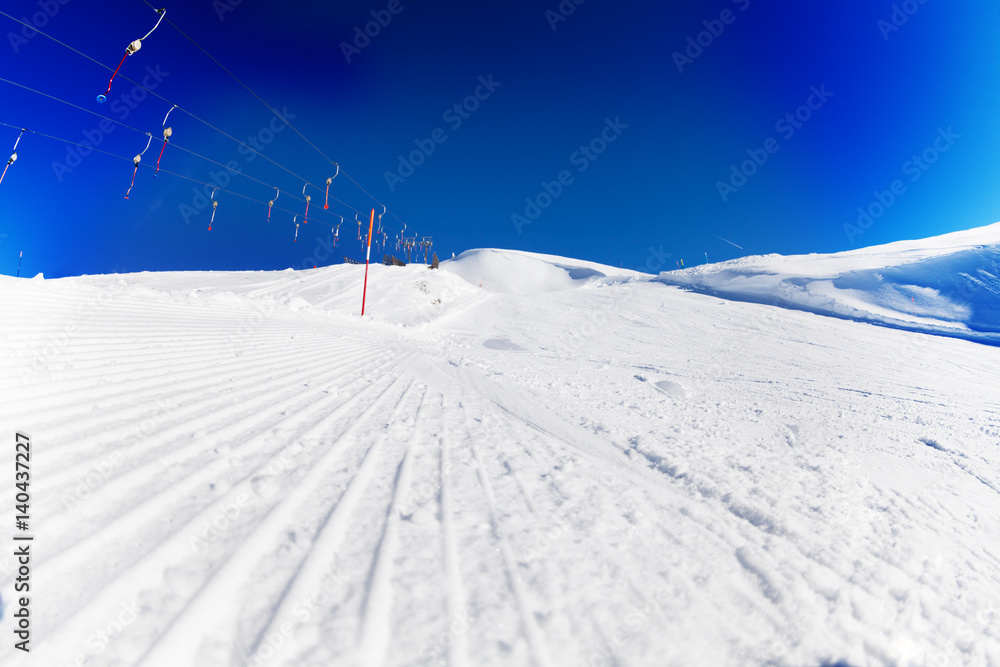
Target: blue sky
634, 133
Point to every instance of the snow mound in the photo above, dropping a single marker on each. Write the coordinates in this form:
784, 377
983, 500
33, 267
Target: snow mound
409, 296
947, 284
525, 273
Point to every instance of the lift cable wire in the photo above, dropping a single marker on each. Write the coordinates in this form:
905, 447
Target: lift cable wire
128, 159
272, 109
138, 131
155, 94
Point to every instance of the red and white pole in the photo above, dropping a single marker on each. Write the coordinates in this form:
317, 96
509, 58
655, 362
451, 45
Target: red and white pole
368, 257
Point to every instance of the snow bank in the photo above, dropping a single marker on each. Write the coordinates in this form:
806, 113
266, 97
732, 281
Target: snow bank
947, 284
517, 272
411, 295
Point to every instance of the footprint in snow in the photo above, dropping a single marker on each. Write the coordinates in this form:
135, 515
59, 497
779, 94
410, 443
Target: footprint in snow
674, 389
502, 344
265, 486
933, 444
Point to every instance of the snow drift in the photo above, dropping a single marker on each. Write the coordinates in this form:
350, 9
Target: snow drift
947, 285
518, 272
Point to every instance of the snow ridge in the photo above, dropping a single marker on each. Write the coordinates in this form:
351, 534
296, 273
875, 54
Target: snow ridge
947, 285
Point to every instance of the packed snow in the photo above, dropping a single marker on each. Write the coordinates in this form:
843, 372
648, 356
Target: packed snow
948, 284
517, 459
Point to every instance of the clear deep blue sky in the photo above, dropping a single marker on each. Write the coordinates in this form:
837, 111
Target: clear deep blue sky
889, 91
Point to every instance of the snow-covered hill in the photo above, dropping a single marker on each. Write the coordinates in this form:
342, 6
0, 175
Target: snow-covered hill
237, 469
518, 272
947, 284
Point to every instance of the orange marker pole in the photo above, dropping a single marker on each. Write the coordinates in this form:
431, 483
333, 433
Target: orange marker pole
364, 294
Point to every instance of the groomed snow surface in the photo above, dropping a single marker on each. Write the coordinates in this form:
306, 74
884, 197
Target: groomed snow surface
570, 465
948, 285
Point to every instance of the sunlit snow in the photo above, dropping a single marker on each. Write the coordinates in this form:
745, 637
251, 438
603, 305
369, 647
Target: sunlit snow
517, 459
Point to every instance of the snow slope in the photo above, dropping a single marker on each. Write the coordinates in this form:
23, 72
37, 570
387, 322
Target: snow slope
237, 469
947, 284
518, 272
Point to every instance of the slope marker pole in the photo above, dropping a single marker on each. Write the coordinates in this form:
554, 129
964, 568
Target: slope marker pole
368, 256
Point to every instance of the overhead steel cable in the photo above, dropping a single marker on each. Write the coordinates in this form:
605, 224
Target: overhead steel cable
272, 109
128, 159
148, 134
155, 94
237, 80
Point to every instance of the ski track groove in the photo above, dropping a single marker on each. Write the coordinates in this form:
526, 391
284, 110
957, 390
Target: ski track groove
145, 560
181, 360
419, 575
226, 579
193, 417
141, 383
376, 624
261, 422
188, 418
455, 595
118, 396
539, 654
329, 537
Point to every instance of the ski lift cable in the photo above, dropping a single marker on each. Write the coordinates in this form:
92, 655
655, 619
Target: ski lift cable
161, 97
198, 118
371, 196
127, 159
138, 131
237, 79
269, 107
